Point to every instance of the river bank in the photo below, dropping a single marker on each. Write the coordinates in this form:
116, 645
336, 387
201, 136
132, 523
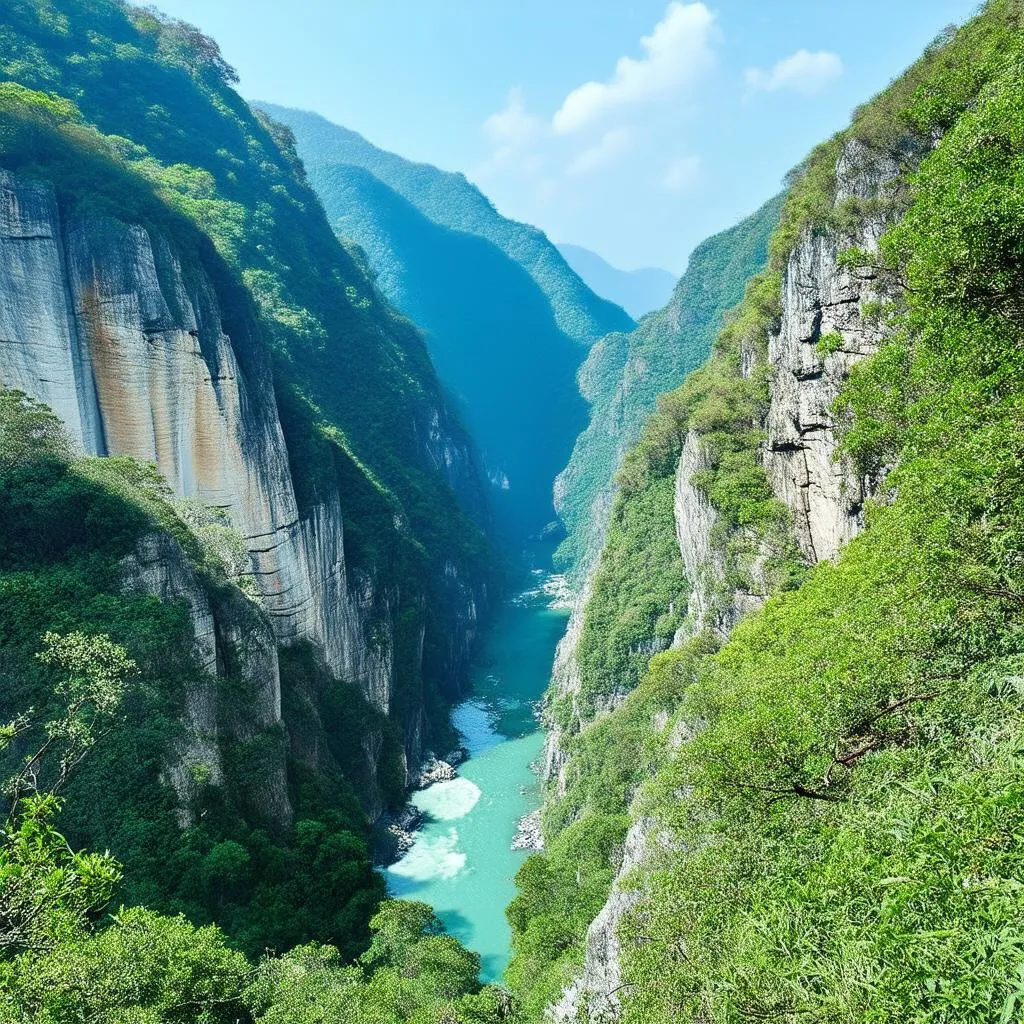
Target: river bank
462, 861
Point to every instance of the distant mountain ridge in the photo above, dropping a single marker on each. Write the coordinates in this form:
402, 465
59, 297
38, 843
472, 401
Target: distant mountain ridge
507, 321
451, 200
637, 291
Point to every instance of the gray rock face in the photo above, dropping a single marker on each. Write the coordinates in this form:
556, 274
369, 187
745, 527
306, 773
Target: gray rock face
100, 320
339, 608
713, 606
529, 833
229, 641
594, 996
565, 682
125, 338
821, 298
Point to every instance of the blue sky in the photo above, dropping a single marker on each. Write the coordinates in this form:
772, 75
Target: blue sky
633, 128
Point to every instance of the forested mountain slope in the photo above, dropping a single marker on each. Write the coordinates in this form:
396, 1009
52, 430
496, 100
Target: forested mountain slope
803, 805
507, 321
638, 292
453, 202
299, 580
491, 335
624, 374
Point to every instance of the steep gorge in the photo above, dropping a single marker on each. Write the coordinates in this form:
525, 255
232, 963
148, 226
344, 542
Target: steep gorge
318, 509
786, 722
503, 314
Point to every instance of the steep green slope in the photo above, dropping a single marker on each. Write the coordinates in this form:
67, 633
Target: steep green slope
161, 93
490, 332
638, 292
69, 524
831, 796
451, 201
625, 373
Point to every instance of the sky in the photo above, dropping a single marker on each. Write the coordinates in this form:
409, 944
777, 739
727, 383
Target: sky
636, 128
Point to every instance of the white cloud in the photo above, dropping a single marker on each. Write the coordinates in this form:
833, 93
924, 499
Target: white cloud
514, 133
802, 72
606, 150
682, 174
676, 53
513, 125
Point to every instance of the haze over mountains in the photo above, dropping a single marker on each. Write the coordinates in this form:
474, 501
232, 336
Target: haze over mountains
507, 321
636, 291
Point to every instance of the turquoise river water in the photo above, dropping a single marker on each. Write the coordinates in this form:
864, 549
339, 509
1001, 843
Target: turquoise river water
462, 862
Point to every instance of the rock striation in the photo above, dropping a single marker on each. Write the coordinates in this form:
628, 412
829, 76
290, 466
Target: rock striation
823, 299
233, 639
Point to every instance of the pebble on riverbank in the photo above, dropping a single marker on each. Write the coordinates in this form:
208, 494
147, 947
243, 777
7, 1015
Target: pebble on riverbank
528, 833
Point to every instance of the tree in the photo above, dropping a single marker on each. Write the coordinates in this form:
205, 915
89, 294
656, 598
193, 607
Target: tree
28, 431
48, 892
95, 672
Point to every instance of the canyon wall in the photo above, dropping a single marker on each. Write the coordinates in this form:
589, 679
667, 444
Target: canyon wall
123, 335
820, 298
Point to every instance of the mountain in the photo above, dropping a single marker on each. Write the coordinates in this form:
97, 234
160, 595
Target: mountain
453, 202
785, 721
625, 373
494, 298
488, 327
636, 291
229, 474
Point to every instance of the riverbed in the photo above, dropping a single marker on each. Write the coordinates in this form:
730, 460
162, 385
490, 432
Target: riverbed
462, 862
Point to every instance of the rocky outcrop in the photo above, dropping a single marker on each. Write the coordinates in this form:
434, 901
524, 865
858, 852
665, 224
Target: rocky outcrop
233, 640
529, 833
822, 299
434, 770
715, 605
594, 996
565, 684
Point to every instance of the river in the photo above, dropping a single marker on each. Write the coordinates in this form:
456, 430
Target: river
462, 862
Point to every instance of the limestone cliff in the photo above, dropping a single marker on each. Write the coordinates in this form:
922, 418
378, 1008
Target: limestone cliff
126, 336
716, 604
233, 639
823, 300
729, 569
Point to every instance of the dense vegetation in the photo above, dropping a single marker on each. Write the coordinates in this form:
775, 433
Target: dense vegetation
131, 115
452, 202
491, 334
879, 850
835, 787
625, 373
135, 114
68, 523
62, 959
